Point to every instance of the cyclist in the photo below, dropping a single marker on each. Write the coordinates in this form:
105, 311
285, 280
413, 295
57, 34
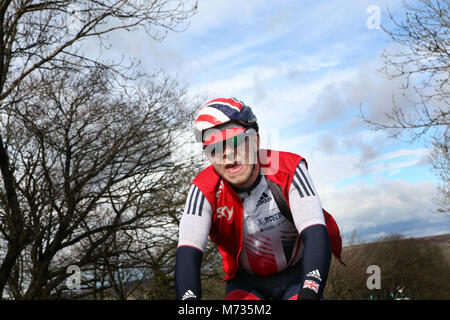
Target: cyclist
260, 208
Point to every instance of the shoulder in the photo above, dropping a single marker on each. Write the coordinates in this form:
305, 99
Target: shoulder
207, 181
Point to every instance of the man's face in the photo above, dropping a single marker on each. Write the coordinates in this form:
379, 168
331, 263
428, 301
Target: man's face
235, 158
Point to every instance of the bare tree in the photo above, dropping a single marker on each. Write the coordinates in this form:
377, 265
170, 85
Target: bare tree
422, 61
80, 147
43, 34
88, 160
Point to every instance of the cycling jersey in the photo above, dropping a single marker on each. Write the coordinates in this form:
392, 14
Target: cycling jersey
270, 242
250, 231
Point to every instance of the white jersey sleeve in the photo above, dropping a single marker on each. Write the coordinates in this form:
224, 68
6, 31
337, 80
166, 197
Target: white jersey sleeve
303, 199
196, 220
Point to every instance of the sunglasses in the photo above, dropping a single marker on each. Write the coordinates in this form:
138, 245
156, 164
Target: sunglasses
217, 149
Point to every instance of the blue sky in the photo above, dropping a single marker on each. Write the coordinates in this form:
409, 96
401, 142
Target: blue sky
305, 67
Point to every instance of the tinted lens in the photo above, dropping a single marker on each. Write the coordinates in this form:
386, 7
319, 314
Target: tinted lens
218, 148
236, 140
212, 149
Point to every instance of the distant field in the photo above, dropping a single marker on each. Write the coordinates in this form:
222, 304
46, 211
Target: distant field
215, 289
445, 238
444, 243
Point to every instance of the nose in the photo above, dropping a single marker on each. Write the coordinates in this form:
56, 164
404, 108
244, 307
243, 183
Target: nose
229, 153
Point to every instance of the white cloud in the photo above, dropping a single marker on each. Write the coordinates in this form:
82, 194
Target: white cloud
277, 101
360, 206
403, 153
216, 14
217, 55
335, 155
305, 68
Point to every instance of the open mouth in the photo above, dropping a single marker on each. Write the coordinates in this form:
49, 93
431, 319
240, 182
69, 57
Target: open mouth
233, 168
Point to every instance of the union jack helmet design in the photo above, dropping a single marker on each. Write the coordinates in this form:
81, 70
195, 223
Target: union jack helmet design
221, 111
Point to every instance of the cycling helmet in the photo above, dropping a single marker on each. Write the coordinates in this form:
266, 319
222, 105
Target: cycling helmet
223, 112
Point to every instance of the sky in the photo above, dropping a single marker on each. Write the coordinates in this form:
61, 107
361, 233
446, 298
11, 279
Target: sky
306, 68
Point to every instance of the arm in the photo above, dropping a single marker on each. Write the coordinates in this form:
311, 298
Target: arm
309, 220
193, 237
315, 262
187, 273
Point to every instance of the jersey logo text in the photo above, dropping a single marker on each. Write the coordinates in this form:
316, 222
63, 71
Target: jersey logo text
225, 212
